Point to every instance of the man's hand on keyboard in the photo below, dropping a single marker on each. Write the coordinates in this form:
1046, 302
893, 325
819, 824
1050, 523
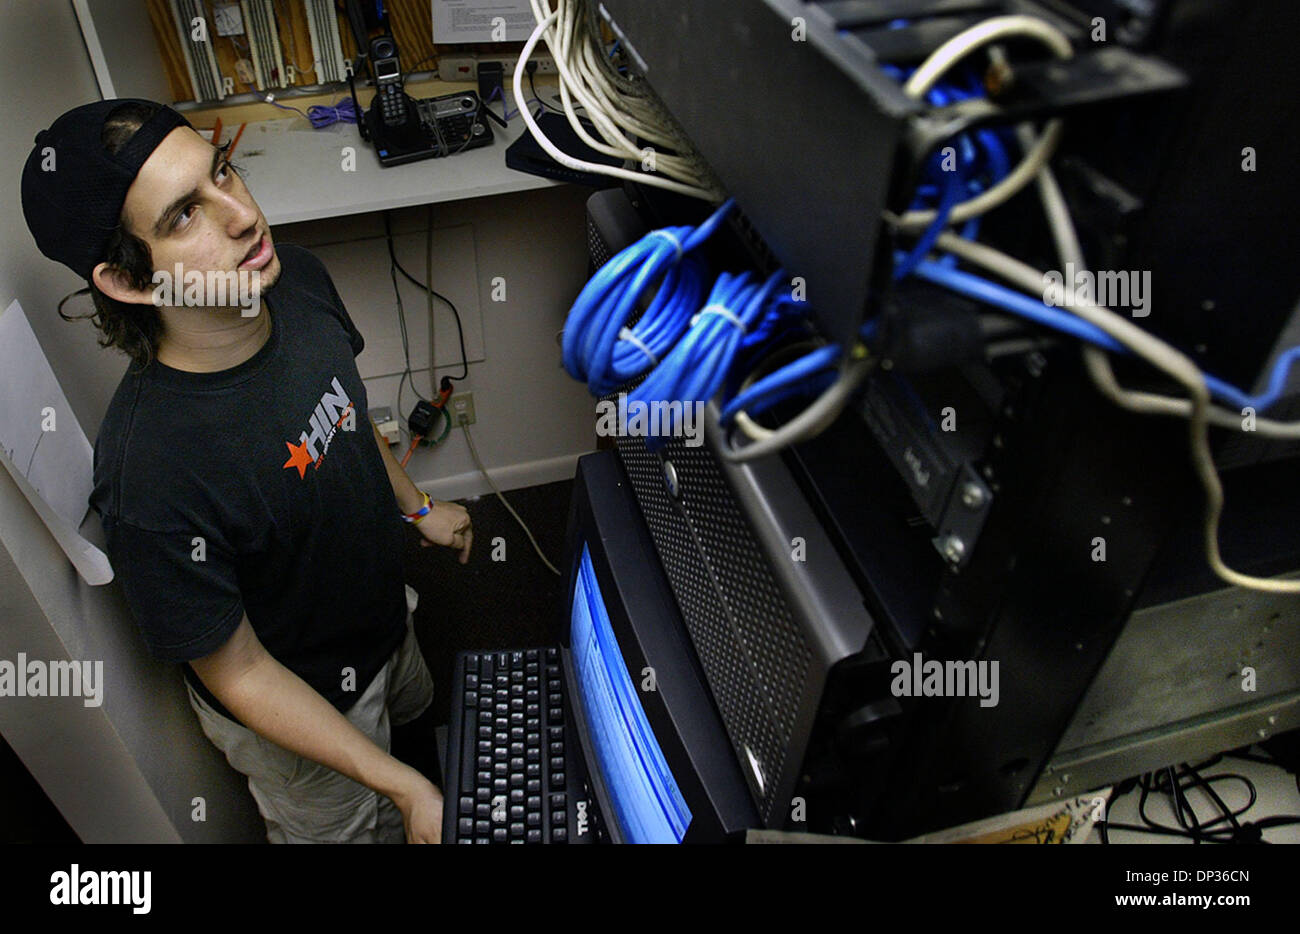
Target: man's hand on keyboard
421, 807
448, 524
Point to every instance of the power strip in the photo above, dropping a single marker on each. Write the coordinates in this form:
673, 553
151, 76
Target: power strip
465, 67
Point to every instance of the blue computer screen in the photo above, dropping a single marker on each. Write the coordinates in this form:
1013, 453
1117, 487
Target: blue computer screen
647, 803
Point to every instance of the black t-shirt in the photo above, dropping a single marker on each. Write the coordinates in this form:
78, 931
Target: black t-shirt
254, 471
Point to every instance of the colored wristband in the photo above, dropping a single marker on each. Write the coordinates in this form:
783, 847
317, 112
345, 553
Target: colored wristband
415, 517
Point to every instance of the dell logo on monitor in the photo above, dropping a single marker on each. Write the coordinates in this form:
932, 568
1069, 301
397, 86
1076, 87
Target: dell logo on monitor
582, 818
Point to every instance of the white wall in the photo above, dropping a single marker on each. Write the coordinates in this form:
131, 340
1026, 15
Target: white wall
533, 420
129, 770
122, 36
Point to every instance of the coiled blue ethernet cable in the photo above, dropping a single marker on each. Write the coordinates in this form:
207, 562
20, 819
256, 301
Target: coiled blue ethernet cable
598, 347
699, 362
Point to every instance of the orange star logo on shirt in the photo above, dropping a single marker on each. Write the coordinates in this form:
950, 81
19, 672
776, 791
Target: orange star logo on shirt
298, 457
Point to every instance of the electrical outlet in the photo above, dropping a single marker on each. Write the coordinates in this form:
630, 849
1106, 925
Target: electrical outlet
458, 67
545, 65
461, 408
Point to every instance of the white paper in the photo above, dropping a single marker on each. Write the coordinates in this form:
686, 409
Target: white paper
91, 563
472, 20
42, 444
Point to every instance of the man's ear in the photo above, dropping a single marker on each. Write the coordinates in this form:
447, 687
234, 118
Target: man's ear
116, 284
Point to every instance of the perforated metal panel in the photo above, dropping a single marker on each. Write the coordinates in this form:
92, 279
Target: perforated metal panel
600, 253
754, 656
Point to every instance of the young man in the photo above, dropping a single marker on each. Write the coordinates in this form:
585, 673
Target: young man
252, 513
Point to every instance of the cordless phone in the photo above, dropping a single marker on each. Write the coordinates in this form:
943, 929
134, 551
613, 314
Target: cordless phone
390, 95
404, 130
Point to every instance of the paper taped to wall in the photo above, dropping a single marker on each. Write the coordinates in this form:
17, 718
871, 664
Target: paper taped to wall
482, 20
42, 444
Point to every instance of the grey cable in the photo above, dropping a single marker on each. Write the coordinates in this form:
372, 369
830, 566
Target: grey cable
473, 451
1163, 357
814, 419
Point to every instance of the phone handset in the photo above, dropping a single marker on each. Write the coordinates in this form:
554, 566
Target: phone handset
390, 94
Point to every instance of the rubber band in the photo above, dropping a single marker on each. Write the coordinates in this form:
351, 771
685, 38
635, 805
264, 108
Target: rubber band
627, 335
677, 244
722, 310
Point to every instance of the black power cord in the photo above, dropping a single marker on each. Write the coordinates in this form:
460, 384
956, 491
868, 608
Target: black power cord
460, 330
1176, 781
356, 105
531, 69
407, 376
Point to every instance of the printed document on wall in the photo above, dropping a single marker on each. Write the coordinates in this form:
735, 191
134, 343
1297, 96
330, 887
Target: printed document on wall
482, 21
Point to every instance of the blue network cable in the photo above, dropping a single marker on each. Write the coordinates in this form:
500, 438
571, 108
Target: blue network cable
813, 384
1015, 302
699, 362
1276, 385
322, 115
803, 376
1023, 306
789, 328
598, 348
954, 190
997, 163
981, 162
990, 158
809, 375
661, 324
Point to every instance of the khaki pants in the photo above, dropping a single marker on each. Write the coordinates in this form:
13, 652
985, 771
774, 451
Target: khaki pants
305, 802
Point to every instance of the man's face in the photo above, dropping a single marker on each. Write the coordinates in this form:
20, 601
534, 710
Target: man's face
192, 208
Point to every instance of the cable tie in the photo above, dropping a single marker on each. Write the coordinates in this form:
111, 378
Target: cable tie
677, 244
627, 335
720, 310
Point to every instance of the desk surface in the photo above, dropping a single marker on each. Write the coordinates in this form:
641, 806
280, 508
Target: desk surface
299, 174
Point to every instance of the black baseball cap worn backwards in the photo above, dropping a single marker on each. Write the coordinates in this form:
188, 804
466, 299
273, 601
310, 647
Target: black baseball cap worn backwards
73, 189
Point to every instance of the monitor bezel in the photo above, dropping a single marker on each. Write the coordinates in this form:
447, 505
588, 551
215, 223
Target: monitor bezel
681, 711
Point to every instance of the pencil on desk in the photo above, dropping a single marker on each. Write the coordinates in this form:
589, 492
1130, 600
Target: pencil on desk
234, 143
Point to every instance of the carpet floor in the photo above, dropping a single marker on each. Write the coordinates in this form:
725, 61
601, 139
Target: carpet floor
485, 604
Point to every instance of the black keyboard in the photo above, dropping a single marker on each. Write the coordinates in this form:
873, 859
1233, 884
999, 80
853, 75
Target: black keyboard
512, 775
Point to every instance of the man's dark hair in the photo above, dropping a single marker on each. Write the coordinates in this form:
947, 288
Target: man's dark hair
133, 328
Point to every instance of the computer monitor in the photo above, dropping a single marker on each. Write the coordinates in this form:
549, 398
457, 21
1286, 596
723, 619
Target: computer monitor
646, 800
660, 766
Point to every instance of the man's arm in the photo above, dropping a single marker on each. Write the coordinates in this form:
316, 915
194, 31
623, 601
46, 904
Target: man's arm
447, 523
409, 497
275, 703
